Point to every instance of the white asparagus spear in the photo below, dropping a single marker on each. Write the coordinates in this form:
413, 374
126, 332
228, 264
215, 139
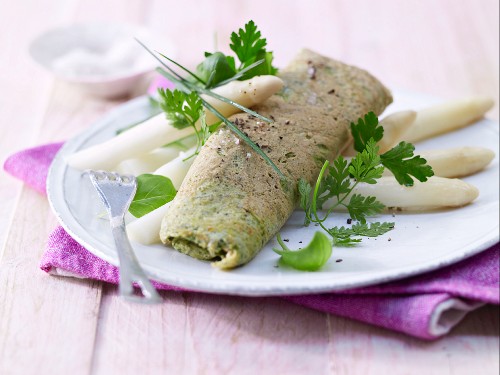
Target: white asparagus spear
148, 162
436, 192
443, 118
157, 131
146, 229
456, 162
248, 93
395, 125
139, 140
177, 168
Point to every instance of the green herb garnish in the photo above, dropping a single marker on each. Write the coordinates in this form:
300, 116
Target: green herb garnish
337, 181
403, 164
345, 236
310, 258
399, 160
153, 191
250, 47
217, 69
366, 128
185, 110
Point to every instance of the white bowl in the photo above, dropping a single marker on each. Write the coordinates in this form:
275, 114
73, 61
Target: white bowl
100, 59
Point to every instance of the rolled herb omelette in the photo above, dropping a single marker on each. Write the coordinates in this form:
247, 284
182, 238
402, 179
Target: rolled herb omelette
232, 202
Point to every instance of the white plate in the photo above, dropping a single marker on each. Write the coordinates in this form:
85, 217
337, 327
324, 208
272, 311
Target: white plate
419, 243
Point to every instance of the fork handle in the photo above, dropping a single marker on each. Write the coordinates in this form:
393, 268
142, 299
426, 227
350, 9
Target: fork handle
130, 269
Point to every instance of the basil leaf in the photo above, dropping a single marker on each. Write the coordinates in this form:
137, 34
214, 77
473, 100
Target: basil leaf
310, 258
215, 68
153, 191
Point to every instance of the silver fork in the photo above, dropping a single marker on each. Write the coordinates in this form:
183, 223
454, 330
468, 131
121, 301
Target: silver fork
117, 192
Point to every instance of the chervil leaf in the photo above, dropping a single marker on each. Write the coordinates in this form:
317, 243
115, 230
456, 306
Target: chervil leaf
339, 172
373, 230
340, 232
247, 43
360, 207
343, 237
153, 191
193, 107
347, 236
181, 109
171, 102
403, 164
365, 129
345, 241
334, 184
362, 229
310, 258
365, 165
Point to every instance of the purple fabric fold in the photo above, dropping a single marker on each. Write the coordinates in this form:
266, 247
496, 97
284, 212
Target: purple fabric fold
32, 165
412, 306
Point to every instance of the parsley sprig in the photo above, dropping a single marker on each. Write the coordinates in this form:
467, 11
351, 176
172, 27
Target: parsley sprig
218, 69
250, 47
182, 109
337, 181
399, 160
185, 110
335, 184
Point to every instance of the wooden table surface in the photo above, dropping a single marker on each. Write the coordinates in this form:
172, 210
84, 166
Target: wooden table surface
49, 325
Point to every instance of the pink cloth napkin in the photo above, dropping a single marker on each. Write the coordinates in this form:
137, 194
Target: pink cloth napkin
426, 306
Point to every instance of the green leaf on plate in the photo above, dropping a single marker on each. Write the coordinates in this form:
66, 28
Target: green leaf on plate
310, 258
153, 191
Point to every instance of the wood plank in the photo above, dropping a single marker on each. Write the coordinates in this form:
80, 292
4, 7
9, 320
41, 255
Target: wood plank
470, 348
46, 325
194, 333
24, 86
